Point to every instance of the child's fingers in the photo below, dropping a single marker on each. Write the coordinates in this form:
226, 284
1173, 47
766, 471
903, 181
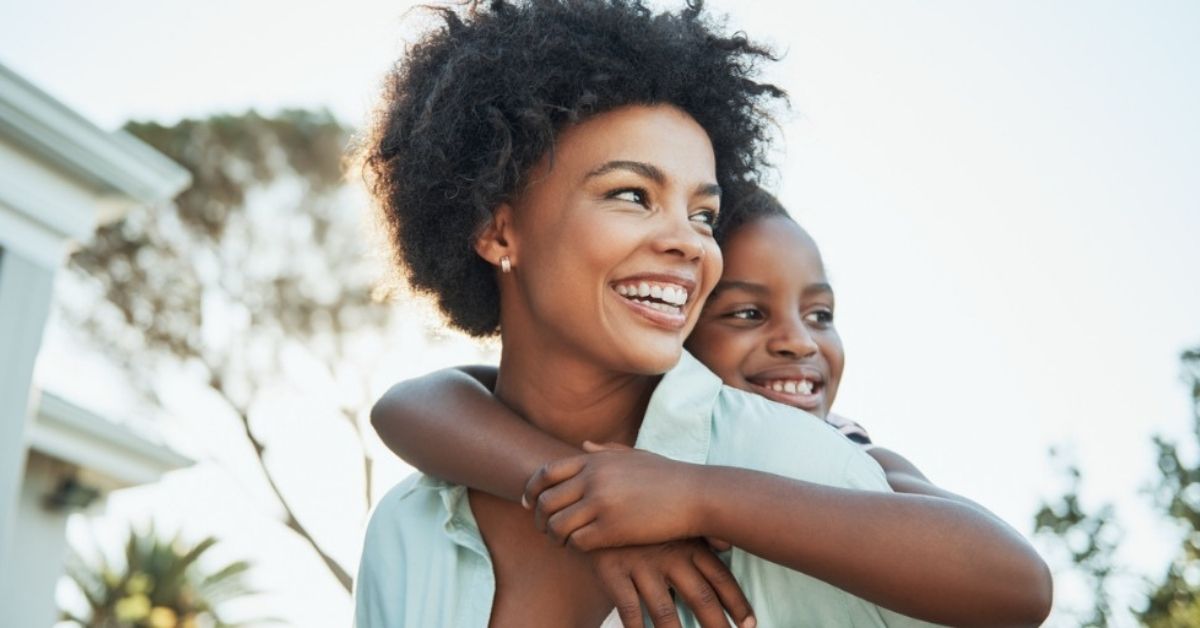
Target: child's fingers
588, 537
554, 499
654, 593
562, 524
550, 474
592, 448
625, 597
699, 596
726, 587
718, 545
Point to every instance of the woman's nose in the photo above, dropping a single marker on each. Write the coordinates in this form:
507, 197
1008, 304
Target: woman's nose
791, 339
681, 236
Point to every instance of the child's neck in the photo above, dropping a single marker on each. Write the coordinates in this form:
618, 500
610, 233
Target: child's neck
572, 400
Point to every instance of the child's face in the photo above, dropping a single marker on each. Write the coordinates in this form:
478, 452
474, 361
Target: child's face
768, 326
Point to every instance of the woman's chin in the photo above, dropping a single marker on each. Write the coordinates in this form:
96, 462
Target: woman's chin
653, 360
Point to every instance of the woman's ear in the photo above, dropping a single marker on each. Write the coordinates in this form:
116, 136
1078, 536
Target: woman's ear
495, 242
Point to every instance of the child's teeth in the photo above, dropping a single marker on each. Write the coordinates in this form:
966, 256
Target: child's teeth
806, 387
644, 289
790, 388
656, 292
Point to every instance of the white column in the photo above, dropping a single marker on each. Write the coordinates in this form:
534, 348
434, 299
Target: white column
26, 288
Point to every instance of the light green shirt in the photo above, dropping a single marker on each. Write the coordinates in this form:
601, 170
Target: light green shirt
424, 563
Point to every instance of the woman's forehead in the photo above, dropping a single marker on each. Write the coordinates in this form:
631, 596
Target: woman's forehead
663, 137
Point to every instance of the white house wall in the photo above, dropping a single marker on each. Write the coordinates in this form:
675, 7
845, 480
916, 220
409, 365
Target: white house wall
40, 552
26, 288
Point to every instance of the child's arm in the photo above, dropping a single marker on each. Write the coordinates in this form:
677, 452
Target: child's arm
902, 475
926, 557
449, 424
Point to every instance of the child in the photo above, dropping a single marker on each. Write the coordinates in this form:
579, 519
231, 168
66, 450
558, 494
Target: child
767, 328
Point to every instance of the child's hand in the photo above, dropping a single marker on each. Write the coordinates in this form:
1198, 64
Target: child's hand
615, 496
688, 567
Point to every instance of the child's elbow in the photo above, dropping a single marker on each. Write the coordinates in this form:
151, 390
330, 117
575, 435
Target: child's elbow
1039, 596
384, 413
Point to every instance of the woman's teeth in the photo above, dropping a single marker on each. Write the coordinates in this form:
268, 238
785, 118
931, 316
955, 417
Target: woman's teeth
791, 386
669, 294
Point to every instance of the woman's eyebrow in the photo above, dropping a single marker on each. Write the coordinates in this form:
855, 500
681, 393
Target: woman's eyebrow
708, 189
650, 171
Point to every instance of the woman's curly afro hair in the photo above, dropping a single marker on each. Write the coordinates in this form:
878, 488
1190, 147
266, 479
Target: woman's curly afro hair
477, 102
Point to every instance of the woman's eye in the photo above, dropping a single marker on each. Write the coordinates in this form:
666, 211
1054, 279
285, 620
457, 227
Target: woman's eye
705, 217
746, 314
820, 317
632, 195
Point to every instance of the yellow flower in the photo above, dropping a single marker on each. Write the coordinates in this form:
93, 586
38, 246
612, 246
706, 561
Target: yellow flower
161, 617
133, 608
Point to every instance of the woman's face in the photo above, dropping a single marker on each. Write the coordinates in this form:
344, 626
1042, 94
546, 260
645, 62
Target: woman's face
611, 240
768, 327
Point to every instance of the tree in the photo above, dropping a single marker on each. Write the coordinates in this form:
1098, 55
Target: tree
260, 263
159, 584
1090, 537
1175, 600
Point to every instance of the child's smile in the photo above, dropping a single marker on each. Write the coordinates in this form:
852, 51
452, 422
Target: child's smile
800, 386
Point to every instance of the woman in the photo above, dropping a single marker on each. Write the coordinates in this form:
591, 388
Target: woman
534, 161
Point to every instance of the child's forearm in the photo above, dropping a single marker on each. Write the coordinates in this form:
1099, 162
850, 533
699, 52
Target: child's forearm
449, 425
926, 557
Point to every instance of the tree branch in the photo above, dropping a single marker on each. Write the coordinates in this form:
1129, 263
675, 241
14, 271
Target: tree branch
290, 520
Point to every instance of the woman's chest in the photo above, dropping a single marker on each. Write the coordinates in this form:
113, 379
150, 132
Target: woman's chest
537, 582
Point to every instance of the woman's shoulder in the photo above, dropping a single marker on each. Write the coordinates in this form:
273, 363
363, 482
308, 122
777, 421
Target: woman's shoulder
410, 529
415, 507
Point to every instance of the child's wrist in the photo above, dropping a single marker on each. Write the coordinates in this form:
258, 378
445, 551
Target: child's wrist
703, 505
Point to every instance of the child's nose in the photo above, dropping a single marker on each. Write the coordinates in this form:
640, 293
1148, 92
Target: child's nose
791, 339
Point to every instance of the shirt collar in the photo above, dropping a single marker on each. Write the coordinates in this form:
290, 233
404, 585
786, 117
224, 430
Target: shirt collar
678, 421
457, 519
678, 425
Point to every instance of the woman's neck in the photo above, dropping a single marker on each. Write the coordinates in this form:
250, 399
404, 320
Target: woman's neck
572, 400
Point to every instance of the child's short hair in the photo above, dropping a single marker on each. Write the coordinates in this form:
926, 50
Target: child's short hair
751, 203
477, 102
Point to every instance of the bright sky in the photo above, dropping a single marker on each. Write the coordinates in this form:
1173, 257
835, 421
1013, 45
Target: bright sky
1006, 195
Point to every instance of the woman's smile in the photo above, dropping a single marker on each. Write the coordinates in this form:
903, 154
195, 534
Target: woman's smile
662, 299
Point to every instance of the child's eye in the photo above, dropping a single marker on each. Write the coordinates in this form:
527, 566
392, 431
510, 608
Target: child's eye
820, 317
746, 314
632, 195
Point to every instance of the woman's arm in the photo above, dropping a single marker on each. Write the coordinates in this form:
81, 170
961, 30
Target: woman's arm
927, 557
449, 425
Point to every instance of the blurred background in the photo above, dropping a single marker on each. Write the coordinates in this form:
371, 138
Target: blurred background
1006, 195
